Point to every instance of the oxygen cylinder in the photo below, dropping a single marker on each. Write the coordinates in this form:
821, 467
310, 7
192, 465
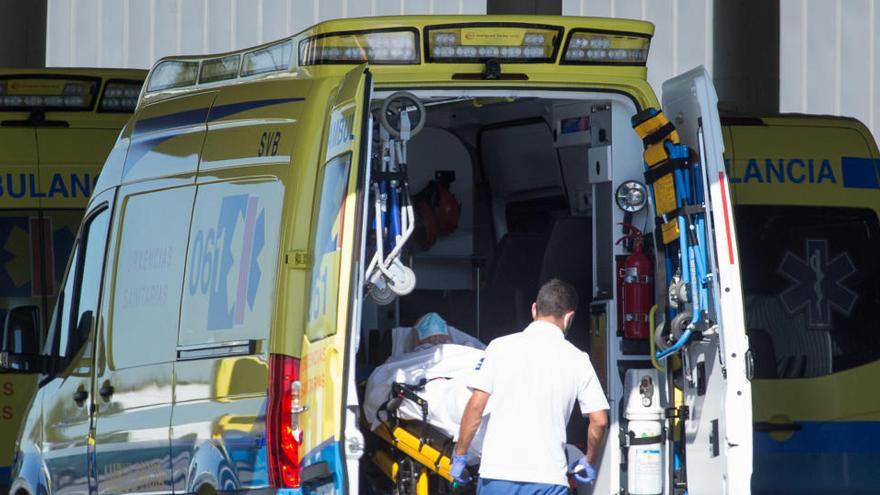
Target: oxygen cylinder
644, 431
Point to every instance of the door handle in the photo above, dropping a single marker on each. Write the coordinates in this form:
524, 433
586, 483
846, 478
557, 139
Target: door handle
80, 395
765, 427
106, 391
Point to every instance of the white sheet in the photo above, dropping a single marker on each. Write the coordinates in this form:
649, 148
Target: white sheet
448, 368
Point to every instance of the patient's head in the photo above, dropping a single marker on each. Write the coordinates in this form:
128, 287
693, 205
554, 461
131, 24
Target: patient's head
431, 329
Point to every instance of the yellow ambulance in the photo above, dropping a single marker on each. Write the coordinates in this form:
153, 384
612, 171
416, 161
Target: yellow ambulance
807, 196
56, 128
272, 221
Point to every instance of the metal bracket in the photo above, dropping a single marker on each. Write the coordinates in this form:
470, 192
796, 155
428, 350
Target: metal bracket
297, 260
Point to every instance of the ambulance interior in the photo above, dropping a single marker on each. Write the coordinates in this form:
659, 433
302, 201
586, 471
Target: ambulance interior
535, 191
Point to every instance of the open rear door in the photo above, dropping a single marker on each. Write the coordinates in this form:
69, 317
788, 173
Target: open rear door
331, 443
716, 386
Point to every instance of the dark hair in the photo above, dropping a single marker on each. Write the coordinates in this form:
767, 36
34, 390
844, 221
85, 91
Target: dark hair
555, 298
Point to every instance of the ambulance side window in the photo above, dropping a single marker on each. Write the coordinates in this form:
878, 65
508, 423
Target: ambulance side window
810, 280
75, 314
327, 248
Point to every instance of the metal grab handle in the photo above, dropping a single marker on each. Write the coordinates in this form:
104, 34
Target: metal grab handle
766, 427
106, 391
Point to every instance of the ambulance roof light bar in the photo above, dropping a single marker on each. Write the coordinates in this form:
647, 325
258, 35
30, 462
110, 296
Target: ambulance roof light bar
380, 46
479, 42
183, 72
586, 47
48, 92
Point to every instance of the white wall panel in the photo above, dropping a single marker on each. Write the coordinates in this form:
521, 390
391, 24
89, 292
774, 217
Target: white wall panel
683, 34
829, 56
135, 33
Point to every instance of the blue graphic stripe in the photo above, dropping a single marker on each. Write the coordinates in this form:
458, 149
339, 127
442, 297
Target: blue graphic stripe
826, 437
219, 112
328, 451
202, 115
170, 121
5, 473
860, 173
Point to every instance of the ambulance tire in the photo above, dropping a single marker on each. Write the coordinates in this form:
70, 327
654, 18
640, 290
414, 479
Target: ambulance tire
389, 113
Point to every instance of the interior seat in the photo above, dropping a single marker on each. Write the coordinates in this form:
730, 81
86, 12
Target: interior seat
568, 257
512, 284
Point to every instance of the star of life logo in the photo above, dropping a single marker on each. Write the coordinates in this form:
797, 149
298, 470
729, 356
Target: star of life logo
817, 284
224, 261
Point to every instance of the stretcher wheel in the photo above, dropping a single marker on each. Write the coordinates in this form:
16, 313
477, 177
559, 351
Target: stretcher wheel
382, 294
404, 280
679, 324
396, 104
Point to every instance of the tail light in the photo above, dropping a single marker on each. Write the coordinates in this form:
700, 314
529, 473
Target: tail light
283, 434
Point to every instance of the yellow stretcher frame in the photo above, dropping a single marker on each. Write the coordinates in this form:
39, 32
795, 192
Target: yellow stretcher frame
429, 457
655, 130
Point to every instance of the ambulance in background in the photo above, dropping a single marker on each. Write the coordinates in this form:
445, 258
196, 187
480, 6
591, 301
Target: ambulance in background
806, 194
56, 128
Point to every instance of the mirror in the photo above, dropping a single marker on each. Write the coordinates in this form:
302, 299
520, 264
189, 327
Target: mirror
20, 344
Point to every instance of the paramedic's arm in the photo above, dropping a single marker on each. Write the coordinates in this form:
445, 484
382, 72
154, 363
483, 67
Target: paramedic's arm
596, 435
470, 420
592, 401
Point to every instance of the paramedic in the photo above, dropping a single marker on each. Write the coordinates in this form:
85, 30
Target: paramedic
533, 378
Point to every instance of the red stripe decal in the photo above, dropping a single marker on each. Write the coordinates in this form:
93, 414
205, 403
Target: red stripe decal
726, 216
244, 265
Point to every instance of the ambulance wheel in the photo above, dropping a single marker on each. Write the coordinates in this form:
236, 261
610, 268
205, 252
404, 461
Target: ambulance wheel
383, 295
396, 104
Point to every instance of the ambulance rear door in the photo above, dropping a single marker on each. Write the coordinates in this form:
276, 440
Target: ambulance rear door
717, 394
331, 443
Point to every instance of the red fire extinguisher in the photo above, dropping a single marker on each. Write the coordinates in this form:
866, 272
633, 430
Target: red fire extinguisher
637, 288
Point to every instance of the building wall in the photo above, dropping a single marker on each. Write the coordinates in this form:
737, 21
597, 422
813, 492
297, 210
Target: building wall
683, 31
830, 58
135, 33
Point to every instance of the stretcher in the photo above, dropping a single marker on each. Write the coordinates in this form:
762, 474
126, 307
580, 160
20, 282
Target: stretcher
417, 456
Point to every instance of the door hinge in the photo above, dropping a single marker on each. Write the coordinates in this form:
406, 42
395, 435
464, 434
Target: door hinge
298, 260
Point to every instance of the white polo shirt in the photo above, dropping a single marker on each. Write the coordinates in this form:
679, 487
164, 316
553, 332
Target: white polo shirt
534, 378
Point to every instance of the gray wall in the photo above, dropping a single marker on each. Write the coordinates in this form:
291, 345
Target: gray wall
827, 52
135, 33
830, 58
683, 36
22, 33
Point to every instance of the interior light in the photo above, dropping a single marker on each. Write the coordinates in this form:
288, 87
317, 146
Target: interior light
384, 47
465, 43
631, 196
585, 47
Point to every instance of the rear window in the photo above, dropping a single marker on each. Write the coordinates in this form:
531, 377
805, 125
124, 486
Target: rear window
810, 280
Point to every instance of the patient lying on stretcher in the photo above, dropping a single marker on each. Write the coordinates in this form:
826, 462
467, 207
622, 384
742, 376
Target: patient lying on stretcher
442, 358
